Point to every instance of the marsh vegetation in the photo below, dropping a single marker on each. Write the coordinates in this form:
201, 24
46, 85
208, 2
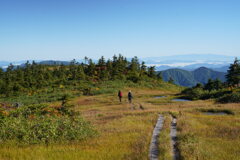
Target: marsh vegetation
123, 133
85, 120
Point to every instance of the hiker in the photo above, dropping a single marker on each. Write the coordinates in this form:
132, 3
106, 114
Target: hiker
120, 95
130, 97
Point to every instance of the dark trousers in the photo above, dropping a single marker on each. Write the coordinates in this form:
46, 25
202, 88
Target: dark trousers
130, 100
120, 98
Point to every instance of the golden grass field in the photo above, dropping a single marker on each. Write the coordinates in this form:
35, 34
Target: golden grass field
125, 133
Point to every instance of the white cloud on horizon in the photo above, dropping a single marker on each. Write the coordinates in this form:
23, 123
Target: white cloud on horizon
187, 64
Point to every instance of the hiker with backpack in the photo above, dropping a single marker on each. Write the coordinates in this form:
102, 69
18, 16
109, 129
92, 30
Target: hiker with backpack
130, 96
120, 95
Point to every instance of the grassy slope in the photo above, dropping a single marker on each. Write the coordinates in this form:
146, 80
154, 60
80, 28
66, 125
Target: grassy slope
126, 133
210, 137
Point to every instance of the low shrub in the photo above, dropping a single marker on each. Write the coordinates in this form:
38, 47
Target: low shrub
212, 110
214, 94
193, 93
42, 124
230, 98
199, 93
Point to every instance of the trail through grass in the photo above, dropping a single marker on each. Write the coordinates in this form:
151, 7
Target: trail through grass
154, 148
126, 134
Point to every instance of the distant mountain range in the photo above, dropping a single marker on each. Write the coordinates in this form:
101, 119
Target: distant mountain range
188, 62
220, 68
5, 64
191, 78
52, 62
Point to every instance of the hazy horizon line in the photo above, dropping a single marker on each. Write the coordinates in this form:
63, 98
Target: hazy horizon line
106, 57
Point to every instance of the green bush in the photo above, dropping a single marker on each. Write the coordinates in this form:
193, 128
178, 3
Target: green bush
44, 129
193, 93
50, 96
212, 110
199, 93
230, 98
41, 124
214, 94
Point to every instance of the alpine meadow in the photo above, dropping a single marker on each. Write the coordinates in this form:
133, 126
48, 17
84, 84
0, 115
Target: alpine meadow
119, 80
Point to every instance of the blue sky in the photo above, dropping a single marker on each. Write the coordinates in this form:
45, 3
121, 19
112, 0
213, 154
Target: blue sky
67, 29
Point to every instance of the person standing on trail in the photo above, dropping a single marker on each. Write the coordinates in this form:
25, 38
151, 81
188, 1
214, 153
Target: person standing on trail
130, 97
120, 95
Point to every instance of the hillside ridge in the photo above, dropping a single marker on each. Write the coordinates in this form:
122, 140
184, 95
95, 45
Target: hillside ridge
191, 78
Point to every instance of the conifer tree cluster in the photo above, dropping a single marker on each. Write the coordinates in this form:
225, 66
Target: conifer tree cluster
233, 75
33, 76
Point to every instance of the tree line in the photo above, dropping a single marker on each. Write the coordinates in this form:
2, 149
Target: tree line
34, 76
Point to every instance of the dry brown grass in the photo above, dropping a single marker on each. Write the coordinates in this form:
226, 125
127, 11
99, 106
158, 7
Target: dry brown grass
125, 133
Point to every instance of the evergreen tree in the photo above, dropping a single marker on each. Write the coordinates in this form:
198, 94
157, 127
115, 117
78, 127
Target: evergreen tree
119, 65
80, 73
102, 69
134, 65
101, 62
151, 72
233, 74
143, 69
86, 60
10, 67
218, 84
199, 85
210, 85
73, 69
109, 66
90, 70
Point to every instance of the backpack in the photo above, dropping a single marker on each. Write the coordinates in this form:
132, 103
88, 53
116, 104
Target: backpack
120, 94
